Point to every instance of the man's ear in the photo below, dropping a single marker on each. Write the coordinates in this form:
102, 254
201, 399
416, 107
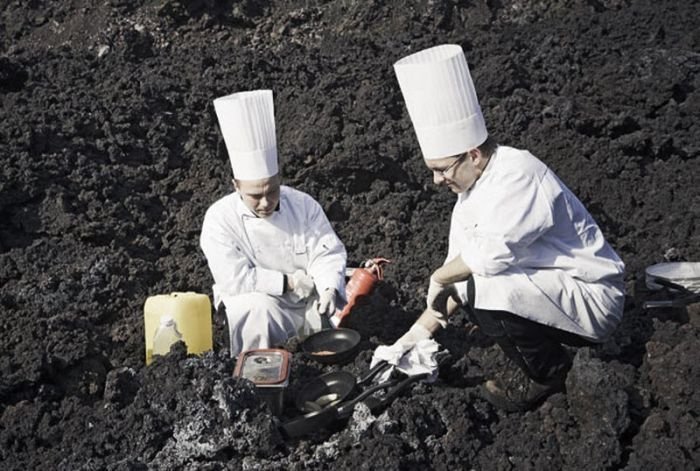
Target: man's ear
235, 185
475, 155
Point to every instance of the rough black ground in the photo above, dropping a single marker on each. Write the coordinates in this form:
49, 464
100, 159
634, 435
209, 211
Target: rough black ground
111, 154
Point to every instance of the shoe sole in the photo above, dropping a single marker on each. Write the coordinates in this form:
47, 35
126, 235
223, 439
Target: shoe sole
498, 401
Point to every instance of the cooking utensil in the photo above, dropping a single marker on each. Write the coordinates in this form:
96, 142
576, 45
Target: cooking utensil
688, 296
361, 284
321, 402
332, 346
376, 403
339, 383
686, 274
342, 384
268, 369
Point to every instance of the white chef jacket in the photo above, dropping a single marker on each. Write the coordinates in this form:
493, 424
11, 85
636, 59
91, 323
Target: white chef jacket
535, 250
248, 255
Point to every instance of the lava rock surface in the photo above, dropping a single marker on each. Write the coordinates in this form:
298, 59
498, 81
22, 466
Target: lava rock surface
111, 154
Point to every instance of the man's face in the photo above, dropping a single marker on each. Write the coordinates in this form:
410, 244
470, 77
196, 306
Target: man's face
458, 172
260, 196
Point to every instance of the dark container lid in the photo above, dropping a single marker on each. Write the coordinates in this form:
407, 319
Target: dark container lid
264, 367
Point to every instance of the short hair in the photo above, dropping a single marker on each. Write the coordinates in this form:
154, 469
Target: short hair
488, 147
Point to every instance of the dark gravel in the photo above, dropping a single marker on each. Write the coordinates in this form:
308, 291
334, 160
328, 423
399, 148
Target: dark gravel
111, 154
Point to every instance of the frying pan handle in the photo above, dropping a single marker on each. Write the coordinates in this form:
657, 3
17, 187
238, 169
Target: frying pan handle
347, 407
670, 284
658, 304
679, 302
378, 368
689, 297
312, 421
399, 387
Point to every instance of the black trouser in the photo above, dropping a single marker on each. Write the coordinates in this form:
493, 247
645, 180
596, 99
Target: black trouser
221, 335
536, 348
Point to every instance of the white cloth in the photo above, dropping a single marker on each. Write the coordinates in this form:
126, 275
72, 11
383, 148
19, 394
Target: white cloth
247, 122
247, 254
441, 100
418, 360
535, 250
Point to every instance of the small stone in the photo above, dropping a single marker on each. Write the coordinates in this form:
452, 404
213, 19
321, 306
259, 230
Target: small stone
654, 424
121, 385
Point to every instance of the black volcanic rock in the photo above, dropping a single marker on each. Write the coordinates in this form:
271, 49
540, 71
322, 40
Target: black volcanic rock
111, 154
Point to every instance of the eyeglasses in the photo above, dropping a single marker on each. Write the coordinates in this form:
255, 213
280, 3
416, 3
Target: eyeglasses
444, 172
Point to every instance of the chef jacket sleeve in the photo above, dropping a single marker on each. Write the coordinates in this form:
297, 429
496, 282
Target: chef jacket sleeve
327, 257
518, 210
232, 269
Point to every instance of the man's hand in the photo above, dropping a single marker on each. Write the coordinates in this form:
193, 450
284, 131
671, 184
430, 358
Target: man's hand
300, 284
442, 283
392, 353
435, 288
326, 302
388, 353
415, 334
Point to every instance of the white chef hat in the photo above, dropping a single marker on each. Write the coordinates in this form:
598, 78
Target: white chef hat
247, 122
441, 101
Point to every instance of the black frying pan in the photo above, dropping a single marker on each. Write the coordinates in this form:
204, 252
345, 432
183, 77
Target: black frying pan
342, 384
318, 419
332, 346
688, 296
332, 388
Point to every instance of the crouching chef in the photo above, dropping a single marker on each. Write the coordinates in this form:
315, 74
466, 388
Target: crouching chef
277, 264
525, 257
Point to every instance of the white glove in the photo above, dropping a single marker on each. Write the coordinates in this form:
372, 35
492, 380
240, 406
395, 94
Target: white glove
413, 353
434, 290
393, 353
301, 284
326, 302
389, 353
414, 335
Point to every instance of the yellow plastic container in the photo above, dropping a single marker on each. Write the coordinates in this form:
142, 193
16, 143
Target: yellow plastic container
191, 313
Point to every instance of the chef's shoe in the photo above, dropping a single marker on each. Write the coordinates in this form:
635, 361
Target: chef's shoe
516, 392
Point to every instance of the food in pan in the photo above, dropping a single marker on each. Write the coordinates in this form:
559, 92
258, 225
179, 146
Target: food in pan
324, 352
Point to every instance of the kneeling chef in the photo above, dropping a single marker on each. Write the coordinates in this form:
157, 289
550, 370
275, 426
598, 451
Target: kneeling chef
525, 257
277, 264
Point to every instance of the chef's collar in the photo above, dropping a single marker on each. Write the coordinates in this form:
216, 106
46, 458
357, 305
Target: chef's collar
488, 163
484, 173
246, 211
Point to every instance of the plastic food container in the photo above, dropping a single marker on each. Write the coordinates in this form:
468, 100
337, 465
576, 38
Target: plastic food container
686, 274
268, 369
190, 314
